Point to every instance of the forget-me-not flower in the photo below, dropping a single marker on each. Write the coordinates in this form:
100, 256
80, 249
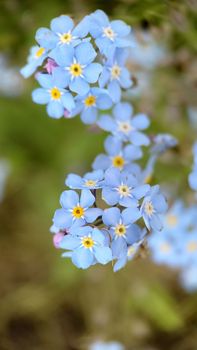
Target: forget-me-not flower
91, 181
77, 66
88, 247
53, 94
125, 126
35, 59
117, 156
122, 188
153, 205
108, 35
76, 210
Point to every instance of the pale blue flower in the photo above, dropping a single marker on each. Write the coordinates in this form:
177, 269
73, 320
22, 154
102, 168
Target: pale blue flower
125, 126
122, 188
35, 59
91, 181
88, 247
76, 210
117, 156
77, 66
53, 94
108, 35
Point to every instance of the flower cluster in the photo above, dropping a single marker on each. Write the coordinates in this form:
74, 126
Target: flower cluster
81, 68
176, 245
106, 214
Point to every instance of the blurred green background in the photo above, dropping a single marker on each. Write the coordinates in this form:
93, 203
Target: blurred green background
45, 302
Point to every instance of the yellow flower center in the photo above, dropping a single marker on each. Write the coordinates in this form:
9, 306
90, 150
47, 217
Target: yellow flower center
78, 212
115, 71
172, 220
149, 209
118, 162
165, 247
90, 183
76, 69
124, 190
40, 52
109, 33
55, 93
90, 101
120, 230
192, 247
124, 127
87, 242
66, 38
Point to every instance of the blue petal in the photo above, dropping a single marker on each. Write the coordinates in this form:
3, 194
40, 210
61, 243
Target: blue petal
111, 216
69, 242
140, 191
55, 109
130, 215
160, 203
114, 91
92, 71
140, 121
62, 24
121, 28
112, 177
74, 181
123, 111
139, 139
92, 214
104, 101
112, 146
109, 196
82, 258
98, 236
87, 199
63, 55
104, 77
79, 85
45, 80
62, 219
125, 79
46, 38
68, 101
60, 77
106, 123
85, 53
40, 96
82, 28
103, 254
120, 263
101, 162
156, 223
89, 115
69, 199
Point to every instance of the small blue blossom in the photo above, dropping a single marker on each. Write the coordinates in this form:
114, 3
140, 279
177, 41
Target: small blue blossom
122, 229
108, 35
62, 33
89, 104
89, 181
77, 67
115, 75
35, 59
88, 247
125, 126
54, 94
122, 188
76, 211
117, 156
153, 205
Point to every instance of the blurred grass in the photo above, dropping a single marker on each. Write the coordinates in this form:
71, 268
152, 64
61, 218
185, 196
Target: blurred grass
46, 303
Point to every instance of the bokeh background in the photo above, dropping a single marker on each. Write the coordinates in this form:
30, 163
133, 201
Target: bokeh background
45, 302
